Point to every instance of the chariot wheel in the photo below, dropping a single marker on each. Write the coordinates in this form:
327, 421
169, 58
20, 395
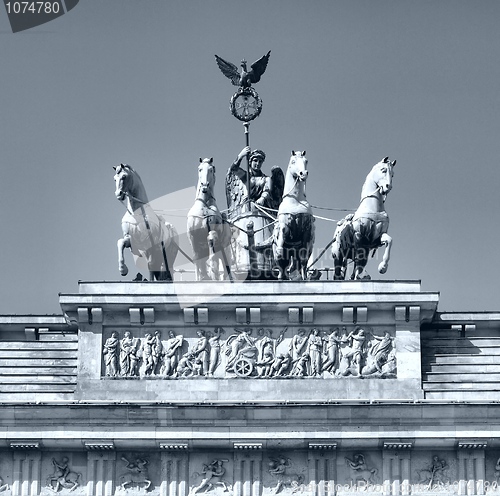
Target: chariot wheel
243, 367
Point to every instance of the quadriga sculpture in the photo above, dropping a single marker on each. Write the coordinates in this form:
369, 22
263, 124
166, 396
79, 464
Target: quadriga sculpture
365, 230
147, 234
208, 232
293, 236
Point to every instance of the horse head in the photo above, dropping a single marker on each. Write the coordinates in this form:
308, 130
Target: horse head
123, 180
381, 174
128, 183
206, 177
297, 166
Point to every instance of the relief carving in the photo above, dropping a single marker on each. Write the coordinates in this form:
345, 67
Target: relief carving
129, 359
435, 474
110, 352
136, 474
497, 472
278, 469
171, 354
247, 356
212, 475
63, 477
359, 471
3, 486
362, 353
215, 346
317, 354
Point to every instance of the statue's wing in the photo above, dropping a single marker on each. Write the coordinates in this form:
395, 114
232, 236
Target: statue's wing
229, 70
277, 186
258, 68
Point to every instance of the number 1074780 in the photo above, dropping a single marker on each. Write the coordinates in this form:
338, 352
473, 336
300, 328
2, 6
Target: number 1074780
32, 7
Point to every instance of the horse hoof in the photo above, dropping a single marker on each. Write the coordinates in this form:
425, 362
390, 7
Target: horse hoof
382, 268
123, 270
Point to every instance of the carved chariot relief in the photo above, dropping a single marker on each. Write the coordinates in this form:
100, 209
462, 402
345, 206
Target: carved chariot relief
247, 352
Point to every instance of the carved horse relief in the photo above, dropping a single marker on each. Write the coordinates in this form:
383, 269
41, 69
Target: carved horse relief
147, 234
207, 230
293, 236
365, 230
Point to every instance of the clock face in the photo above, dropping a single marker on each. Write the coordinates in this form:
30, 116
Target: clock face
246, 104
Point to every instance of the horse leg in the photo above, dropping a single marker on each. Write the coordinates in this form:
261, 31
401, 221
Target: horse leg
360, 261
279, 251
122, 244
340, 265
386, 240
213, 261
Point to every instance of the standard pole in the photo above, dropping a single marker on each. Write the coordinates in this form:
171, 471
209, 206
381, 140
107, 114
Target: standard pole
246, 125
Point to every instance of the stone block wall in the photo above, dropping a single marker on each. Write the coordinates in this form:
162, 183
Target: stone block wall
38, 365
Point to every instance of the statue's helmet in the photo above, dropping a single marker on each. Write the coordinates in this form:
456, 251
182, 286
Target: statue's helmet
257, 154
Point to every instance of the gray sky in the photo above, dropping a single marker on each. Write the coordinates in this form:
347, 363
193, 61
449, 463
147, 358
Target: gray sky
349, 81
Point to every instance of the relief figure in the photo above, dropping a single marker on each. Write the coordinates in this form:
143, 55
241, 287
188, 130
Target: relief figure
63, 477
214, 344
332, 351
129, 360
315, 352
201, 353
110, 352
147, 353
136, 474
278, 469
435, 474
360, 471
171, 355
212, 475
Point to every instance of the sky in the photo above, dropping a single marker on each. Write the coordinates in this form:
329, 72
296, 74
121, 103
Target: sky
349, 81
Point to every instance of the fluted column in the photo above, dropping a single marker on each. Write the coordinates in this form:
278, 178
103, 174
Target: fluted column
248, 470
101, 470
174, 473
396, 468
27, 473
322, 463
471, 468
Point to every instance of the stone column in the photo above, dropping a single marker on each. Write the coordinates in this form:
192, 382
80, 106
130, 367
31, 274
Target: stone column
101, 470
27, 473
471, 468
322, 463
174, 473
248, 471
396, 468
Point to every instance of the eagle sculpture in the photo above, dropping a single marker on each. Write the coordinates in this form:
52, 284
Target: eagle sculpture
244, 78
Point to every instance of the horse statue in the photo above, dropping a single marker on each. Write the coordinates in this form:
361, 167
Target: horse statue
208, 231
365, 230
293, 236
147, 234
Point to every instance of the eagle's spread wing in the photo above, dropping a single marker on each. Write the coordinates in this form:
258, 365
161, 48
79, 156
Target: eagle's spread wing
258, 68
229, 70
